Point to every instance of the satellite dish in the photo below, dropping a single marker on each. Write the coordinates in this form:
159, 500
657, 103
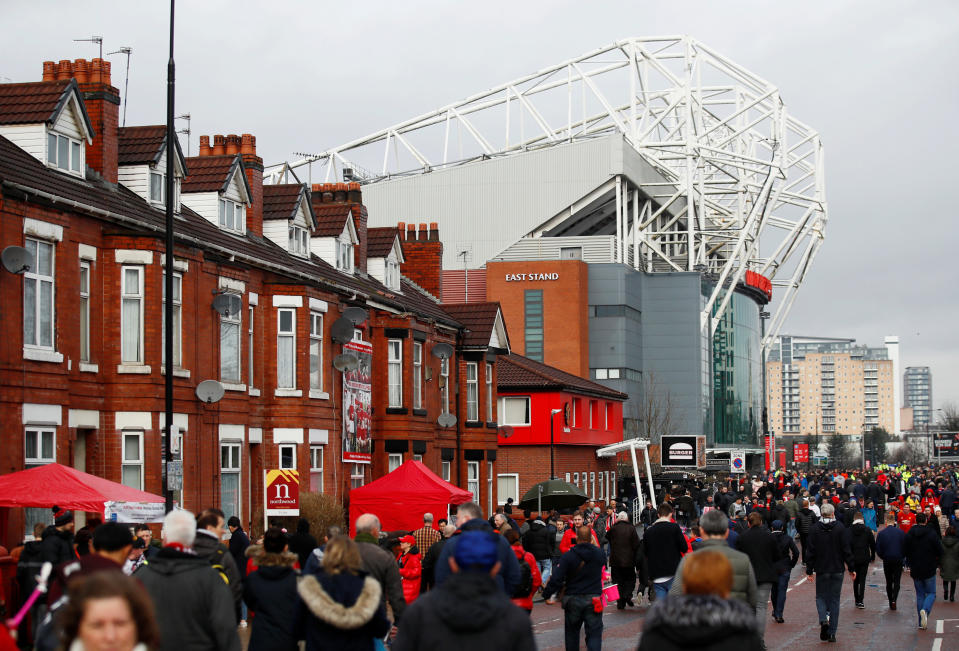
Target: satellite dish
356, 315
442, 351
346, 362
505, 431
209, 391
446, 420
227, 305
16, 259
342, 330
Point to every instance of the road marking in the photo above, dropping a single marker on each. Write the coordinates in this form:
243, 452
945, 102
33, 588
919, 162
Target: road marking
800, 583
937, 644
939, 626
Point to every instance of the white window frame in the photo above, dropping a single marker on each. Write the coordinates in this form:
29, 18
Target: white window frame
592, 480
128, 462
85, 281
233, 465
489, 392
418, 457
298, 242
504, 411
38, 433
316, 468
344, 255
233, 320
316, 351
395, 368
589, 406
158, 193
489, 487
291, 447
472, 479
393, 461
39, 280
236, 214
249, 344
602, 484
286, 339
177, 322
446, 468
137, 297
391, 273
472, 392
568, 478
501, 494
606, 416
417, 375
75, 153
445, 384
576, 479
357, 475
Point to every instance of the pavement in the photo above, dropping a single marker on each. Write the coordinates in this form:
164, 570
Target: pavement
876, 627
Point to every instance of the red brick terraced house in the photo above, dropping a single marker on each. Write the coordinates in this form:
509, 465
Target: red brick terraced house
262, 274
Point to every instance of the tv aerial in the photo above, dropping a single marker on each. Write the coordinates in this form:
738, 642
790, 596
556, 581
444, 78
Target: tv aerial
209, 391
505, 431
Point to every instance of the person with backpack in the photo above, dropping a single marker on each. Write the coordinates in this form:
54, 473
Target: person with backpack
210, 529
538, 542
530, 579
788, 557
580, 572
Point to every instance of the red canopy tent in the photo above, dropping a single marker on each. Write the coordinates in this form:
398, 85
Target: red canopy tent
401, 498
53, 484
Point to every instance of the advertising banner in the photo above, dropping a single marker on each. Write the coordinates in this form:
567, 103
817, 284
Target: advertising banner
134, 512
770, 451
947, 444
737, 461
357, 400
701, 452
282, 492
678, 452
801, 452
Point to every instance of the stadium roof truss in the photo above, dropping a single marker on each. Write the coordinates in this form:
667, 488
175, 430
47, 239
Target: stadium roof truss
748, 175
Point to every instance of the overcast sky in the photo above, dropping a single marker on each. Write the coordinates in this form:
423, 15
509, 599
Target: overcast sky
877, 79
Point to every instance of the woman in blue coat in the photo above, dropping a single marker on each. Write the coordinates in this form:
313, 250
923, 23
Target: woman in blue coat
869, 516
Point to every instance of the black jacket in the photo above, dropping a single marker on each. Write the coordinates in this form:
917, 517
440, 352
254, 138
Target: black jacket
270, 592
665, 546
57, 546
804, 521
580, 569
239, 541
862, 543
875, 493
702, 622
430, 558
302, 543
758, 543
207, 546
467, 612
194, 608
623, 543
788, 552
537, 540
947, 501
343, 611
922, 550
828, 550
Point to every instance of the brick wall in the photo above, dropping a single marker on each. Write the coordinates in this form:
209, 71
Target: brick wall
531, 463
423, 252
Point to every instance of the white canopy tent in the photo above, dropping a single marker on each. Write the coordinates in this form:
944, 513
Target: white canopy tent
632, 445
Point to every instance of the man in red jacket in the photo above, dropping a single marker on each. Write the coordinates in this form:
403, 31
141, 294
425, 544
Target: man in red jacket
569, 538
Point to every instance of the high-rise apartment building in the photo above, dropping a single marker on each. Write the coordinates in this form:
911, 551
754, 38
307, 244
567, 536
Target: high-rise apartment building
917, 393
818, 385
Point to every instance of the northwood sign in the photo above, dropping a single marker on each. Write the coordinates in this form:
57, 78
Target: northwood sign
281, 492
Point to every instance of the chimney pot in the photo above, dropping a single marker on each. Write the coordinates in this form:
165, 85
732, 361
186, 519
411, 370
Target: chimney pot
422, 231
49, 71
205, 149
341, 187
434, 231
65, 69
219, 145
401, 227
354, 186
327, 197
99, 71
233, 144
248, 144
81, 70
411, 230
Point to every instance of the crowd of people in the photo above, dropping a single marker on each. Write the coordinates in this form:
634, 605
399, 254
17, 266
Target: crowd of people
708, 568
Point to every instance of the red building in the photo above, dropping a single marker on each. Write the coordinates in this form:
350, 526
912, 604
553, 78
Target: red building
544, 409
262, 274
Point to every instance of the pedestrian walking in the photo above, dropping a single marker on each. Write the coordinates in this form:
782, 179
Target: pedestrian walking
623, 545
210, 529
469, 517
380, 564
271, 593
426, 535
922, 550
829, 554
580, 572
538, 541
863, 546
569, 536
302, 543
411, 568
949, 564
788, 557
527, 587
665, 546
431, 557
758, 543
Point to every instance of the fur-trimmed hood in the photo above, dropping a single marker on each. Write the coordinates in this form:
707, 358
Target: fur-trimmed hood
267, 559
693, 620
326, 609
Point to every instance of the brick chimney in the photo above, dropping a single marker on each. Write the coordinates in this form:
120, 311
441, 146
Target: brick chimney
351, 195
253, 168
423, 252
102, 101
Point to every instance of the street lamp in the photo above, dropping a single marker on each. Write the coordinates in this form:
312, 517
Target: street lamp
552, 417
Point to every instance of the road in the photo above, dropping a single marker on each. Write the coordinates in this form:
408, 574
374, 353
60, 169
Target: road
876, 627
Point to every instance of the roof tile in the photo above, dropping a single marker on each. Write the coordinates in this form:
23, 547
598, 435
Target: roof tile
31, 103
139, 145
281, 201
209, 173
479, 318
379, 241
514, 371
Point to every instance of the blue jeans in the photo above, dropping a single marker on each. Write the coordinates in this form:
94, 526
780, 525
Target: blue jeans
545, 569
828, 589
662, 589
779, 594
579, 611
925, 594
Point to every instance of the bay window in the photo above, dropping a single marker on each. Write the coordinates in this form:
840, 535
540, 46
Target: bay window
395, 372
316, 351
230, 466
489, 392
417, 375
132, 459
84, 311
230, 341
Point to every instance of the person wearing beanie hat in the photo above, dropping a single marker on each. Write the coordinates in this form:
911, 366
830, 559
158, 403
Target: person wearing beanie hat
411, 568
58, 537
788, 557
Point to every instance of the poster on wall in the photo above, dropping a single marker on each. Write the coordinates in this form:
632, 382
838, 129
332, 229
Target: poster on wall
357, 401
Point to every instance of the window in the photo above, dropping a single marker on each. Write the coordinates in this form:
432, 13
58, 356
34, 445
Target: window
84, 311
394, 461
417, 375
38, 448
592, 413
230, 479
576, 479
577, 412
489, 392
316, 468
316, 351
606, 415
287, 457
158, 188
489, 487
286, 349
177, 329
64, 153
38, 288
602, 485
131, 332
472, 479
230, 340
395, 379
391, 275
232, 215
592, 480
445, 470
514, 410
299, 241
344, 255
418, 457
534, 324
249, 346
132, 450
445, 384
568, 478
357, 475
472, 391
507, 486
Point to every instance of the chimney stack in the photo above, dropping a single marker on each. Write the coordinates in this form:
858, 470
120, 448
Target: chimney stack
205, 148
423, 252
253, 168
349, 194
219, 145
102, 102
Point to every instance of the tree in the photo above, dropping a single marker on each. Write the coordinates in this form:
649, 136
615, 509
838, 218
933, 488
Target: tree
838, 451
876, 440
910, 453
950, 417
657, 412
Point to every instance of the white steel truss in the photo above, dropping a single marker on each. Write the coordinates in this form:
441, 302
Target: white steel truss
750, 176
